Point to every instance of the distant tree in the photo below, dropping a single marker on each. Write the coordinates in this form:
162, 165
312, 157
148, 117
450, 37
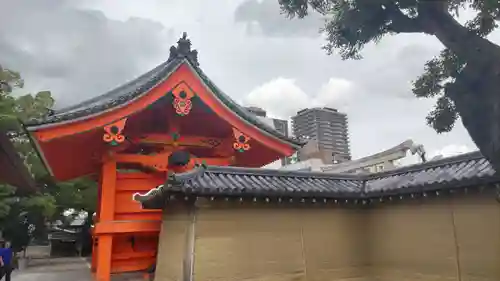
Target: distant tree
79, 195
23, 218
7, 199
8, 81
19, 213
54, 198
465, 77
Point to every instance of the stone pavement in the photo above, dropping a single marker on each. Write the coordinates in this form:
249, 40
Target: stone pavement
64, 269
61, 269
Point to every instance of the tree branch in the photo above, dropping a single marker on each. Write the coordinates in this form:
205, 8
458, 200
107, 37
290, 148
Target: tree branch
437, 21
400, 23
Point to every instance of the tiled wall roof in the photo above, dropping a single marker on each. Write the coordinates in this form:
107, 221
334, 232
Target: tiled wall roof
450, 173
454, 172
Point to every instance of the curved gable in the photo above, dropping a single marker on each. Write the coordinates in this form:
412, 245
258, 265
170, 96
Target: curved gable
181, 67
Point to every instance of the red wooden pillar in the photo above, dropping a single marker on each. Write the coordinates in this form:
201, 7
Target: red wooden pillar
106, 214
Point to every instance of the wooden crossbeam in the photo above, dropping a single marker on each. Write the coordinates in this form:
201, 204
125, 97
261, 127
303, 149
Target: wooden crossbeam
186, 141
159, 161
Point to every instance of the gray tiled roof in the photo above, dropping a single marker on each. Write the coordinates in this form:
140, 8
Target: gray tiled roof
466, 170
111, 99
241, 181
143, 84
447, 173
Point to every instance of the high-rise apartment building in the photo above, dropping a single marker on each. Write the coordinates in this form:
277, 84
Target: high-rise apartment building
329, 128
277, 124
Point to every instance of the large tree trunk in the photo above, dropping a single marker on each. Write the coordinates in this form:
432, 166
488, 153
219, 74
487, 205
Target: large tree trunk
476, 96
476, 91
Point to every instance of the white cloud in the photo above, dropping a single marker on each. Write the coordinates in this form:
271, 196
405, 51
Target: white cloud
337, 93
451, 150
282, 97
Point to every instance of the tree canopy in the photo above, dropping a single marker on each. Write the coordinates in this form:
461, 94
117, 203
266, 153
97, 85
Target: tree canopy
464, 78
17, 213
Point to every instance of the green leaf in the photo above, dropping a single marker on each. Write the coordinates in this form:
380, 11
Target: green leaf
444, 115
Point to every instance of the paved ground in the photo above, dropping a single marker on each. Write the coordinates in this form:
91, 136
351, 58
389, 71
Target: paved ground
63, 269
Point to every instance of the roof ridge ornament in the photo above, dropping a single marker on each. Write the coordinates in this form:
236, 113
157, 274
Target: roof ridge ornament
183, 50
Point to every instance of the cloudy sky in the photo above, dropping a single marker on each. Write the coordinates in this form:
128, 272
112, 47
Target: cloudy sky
80, 49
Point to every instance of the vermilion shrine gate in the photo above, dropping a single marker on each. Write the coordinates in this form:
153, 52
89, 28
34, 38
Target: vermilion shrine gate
169, 119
